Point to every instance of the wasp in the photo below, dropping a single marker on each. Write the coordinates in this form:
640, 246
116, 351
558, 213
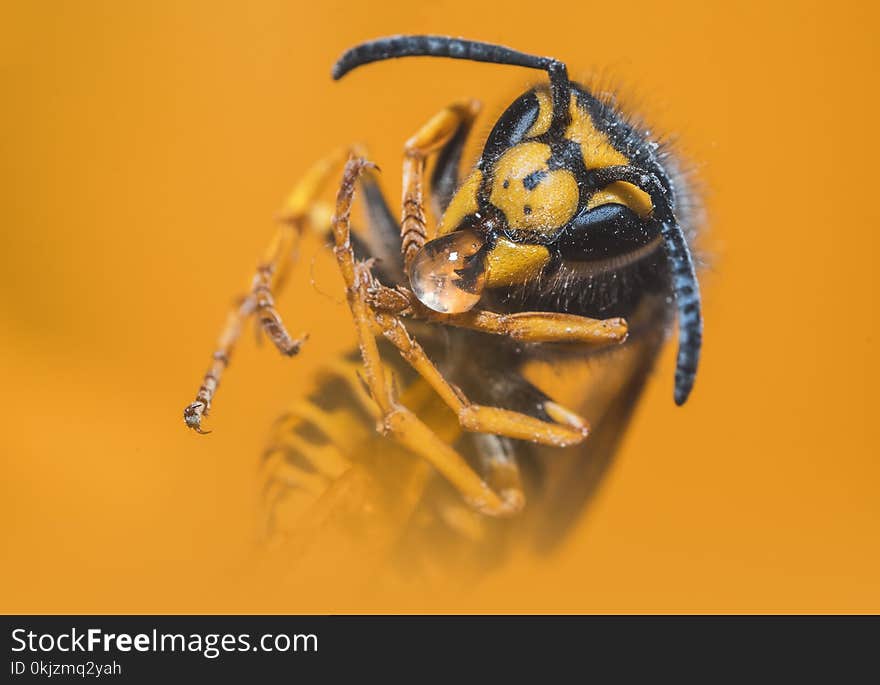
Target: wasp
562, 255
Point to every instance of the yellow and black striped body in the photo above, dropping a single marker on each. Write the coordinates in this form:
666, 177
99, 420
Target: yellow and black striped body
379, 493
572, 207
502, 349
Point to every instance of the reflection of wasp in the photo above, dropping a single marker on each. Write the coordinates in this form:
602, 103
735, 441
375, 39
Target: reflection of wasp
560, 254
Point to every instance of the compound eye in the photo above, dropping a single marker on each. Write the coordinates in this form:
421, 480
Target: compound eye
448, 274
610, 230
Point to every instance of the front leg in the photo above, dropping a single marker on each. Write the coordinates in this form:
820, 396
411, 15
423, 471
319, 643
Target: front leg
259, 300
433, 137
538, 327
566, 429
395, 419
535, 327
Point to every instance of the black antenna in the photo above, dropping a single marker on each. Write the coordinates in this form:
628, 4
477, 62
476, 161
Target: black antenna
457, 48
681, 267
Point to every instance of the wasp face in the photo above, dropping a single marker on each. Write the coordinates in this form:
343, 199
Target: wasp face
547, 195
497, 231
526, 212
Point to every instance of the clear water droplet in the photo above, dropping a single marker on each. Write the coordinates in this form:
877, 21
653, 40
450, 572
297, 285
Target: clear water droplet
449, 273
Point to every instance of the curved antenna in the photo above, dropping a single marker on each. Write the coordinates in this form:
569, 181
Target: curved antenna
458, 48
685, 286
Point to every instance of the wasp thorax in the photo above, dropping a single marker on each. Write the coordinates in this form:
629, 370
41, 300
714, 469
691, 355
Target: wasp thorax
448, 274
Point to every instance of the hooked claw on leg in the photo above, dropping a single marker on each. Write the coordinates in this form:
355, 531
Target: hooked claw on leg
192, 415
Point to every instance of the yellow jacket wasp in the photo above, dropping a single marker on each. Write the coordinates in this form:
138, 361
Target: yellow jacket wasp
564, 248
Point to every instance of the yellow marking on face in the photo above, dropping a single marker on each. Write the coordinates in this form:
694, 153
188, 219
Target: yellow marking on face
545, 115
597, 150
510, 263
599, 153
621, 193
532, 197
464, 202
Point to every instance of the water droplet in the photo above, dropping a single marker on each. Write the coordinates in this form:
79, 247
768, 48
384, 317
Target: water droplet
449, 273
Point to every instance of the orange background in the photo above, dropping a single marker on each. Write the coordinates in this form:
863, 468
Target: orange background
146, 146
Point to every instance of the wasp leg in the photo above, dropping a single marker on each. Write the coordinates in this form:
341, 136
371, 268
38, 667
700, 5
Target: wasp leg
432, 137
537, 326
396, 420
544, 327
381, 241
445, 177
268, 279
568, 429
